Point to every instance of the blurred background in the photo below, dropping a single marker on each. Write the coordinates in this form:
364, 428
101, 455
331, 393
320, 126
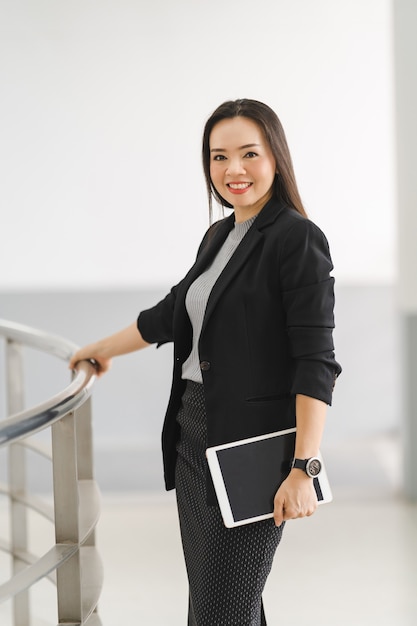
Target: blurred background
103, 203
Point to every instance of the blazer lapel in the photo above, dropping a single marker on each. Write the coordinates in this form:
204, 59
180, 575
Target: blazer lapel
204, 259
210, 250
239, 257
252, 238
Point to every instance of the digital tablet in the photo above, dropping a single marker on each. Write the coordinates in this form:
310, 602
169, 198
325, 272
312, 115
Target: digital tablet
247, 473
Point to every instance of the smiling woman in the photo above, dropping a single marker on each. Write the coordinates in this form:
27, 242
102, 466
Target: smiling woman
253, 318
262, 137
242, 166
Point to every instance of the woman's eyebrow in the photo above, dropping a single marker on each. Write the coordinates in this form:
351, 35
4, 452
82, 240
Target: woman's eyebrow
247, 145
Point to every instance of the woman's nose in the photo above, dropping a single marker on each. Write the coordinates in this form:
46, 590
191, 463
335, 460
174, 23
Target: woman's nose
235, 166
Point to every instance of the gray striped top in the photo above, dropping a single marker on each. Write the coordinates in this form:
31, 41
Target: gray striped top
199, 292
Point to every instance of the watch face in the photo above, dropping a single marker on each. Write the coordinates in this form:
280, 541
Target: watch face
314, 467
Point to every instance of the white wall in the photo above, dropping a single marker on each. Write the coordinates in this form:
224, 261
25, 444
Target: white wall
102, 108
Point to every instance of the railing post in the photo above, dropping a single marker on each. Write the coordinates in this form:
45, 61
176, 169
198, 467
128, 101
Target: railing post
66, 503
84, 426
85, 449
17, 478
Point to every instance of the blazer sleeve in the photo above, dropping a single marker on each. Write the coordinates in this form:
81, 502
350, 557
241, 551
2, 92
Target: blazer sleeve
308, 300
155, 324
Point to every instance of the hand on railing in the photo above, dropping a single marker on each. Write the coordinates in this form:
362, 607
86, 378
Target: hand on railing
92, 353
101, 352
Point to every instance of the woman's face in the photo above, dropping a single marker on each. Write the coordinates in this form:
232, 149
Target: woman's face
242, 167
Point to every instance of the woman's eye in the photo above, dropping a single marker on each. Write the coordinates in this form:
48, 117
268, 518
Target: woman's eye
219, 157
250, 155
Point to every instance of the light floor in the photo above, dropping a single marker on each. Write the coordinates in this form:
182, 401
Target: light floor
354, 563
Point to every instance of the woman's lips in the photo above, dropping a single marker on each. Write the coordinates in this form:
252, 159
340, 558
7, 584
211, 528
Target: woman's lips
238, 188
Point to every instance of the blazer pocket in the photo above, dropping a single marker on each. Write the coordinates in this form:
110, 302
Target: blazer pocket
268, 398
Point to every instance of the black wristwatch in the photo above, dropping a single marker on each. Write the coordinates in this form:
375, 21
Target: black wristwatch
312, 466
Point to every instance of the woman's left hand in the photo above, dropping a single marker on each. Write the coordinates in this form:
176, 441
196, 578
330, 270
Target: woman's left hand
295, 498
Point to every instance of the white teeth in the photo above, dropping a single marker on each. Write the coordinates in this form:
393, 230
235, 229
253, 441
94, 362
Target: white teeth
239, 185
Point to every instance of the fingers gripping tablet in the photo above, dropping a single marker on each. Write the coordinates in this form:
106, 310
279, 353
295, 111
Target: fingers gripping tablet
247, 474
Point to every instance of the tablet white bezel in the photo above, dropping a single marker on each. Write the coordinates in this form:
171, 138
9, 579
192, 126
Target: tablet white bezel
220, 487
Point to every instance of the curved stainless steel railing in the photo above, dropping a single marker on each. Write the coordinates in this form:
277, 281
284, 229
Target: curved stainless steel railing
73, 562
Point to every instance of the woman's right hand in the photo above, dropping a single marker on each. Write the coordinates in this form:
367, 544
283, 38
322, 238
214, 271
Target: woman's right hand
92, 352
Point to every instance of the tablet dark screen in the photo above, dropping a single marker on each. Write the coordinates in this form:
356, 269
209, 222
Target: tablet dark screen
252, 473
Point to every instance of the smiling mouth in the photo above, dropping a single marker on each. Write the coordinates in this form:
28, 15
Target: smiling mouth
238, 186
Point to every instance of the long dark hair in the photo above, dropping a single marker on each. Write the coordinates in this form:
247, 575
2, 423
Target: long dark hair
285, 186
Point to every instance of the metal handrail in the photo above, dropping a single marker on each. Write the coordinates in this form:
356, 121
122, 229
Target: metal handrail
45, 414
73, 561
32, 420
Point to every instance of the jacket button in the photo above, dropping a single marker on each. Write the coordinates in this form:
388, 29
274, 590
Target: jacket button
204, 366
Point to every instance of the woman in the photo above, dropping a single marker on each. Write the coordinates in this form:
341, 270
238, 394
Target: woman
252, 328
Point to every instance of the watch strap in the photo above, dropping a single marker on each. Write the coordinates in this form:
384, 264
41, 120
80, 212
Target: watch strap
300, 464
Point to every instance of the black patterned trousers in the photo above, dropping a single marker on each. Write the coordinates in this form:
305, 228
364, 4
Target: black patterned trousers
227, 568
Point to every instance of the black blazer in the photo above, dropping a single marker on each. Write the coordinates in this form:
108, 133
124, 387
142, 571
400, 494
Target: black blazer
266, 334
